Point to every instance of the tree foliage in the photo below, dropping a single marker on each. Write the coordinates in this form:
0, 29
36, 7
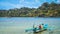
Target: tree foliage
45, 10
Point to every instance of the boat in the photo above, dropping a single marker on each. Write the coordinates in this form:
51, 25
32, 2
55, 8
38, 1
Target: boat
37, 29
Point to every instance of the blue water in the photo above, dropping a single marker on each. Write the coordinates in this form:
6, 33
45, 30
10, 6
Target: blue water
17, 25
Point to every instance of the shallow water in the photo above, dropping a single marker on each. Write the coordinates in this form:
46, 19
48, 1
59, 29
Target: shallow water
17, 25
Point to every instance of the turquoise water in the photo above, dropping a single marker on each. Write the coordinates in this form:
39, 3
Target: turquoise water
17, 25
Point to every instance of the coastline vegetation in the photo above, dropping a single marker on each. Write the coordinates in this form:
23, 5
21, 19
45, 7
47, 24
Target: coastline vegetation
45, 10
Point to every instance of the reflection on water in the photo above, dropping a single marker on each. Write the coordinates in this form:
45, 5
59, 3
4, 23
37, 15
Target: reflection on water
18, 25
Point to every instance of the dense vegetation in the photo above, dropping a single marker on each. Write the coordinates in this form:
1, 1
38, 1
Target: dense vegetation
45, 10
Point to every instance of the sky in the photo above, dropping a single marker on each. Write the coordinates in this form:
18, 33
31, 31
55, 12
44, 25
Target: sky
11, 4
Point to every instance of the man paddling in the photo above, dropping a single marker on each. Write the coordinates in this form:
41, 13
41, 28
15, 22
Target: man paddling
41, 26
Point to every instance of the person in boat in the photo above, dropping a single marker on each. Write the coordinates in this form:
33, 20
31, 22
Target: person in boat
34, 28
41, 26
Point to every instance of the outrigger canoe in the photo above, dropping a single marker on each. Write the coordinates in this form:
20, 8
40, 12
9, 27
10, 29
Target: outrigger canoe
37, 29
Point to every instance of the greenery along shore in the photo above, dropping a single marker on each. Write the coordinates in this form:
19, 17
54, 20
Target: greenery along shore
45, 10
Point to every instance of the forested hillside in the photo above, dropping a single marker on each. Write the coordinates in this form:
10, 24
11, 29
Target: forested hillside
45, 10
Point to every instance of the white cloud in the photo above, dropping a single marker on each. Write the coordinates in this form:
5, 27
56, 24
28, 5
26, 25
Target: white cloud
6, 4
36, 0
21, 1
58, 1
28, 2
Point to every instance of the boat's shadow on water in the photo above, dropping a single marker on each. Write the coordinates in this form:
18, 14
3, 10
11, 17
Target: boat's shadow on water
44, 32
38, 33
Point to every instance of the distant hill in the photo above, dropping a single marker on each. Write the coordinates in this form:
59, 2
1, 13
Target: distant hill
45, 10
